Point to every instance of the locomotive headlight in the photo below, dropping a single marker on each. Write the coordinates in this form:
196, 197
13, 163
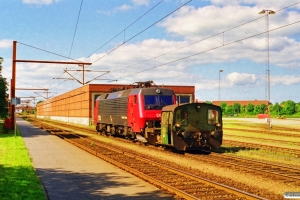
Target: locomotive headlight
157, 91
218, 125
176, 128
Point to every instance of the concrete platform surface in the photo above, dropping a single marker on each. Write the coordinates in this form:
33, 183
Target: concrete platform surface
68, 172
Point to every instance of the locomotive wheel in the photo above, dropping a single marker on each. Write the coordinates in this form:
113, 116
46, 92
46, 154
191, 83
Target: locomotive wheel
103, 131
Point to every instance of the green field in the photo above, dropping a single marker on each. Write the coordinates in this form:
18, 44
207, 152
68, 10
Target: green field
261, 154
18, 179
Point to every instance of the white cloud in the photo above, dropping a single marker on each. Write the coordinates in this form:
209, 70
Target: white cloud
5, 43
241, 79
206, 21
46, 2
193, 24
285, 80
135, 4
262, 4
141, 2
124, 7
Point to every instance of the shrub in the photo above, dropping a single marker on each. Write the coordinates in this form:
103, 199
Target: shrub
8, 125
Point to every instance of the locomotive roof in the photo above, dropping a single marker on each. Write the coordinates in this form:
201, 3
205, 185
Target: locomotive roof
172, 107
145, 91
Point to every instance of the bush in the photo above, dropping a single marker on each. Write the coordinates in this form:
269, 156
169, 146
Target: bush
8, 125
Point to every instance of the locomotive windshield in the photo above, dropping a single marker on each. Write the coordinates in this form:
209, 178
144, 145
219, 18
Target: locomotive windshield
157, 101
212, 117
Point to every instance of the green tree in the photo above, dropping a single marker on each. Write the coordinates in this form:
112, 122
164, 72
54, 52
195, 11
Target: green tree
223, 106
250, 108
275, 109
263, 108
229, 110
3, 94
289, 107
298, 108
40, 101
243, 109
258, 110
236, 107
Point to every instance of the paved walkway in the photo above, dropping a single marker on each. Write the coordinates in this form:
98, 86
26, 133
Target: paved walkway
67, 172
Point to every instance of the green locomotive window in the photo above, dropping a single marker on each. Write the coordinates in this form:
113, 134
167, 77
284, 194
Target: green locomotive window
213, 117
181, 116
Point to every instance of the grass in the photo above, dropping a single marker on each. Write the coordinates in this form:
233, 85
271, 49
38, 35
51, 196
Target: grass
260, 154
260, 136
18, 179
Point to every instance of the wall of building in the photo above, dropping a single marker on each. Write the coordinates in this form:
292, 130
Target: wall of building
242, 102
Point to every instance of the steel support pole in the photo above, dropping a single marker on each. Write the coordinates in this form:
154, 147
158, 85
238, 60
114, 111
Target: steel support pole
13, 82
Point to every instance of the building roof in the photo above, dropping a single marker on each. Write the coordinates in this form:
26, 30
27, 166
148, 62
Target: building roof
242, 102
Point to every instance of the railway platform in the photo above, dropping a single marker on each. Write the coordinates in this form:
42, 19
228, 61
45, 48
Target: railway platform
68, 172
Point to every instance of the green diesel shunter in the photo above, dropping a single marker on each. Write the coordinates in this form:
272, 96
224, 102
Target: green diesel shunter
192, 126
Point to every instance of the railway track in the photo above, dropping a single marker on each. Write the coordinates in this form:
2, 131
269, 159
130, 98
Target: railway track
266, 140
179, 183
263, 132
290, 151
264, 169
266, 128
227, 142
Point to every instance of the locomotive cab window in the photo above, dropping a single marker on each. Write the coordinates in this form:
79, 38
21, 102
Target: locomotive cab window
213, 117
182, 116
157, 101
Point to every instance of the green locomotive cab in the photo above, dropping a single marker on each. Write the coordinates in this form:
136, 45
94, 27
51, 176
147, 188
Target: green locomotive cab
193, 126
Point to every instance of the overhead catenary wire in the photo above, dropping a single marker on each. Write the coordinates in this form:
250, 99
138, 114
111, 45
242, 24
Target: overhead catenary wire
75, 34
222, 32
76, 28
40, 49
218, 47
49, 52
120, 33
123, 31
142, 31
165, 53
72, 39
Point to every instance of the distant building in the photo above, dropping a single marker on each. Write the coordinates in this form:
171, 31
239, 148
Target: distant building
243, 102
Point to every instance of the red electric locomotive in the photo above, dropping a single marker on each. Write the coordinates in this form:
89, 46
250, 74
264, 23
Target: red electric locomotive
133, 113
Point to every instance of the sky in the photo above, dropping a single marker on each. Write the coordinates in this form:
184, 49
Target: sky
219, 46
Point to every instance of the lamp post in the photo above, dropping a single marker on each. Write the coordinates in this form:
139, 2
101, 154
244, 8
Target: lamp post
267, 85
219, 82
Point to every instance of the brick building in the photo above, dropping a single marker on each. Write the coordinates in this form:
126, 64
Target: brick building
242, 102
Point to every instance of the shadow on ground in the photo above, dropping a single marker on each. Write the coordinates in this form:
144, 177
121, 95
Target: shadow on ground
233, 149
61, 185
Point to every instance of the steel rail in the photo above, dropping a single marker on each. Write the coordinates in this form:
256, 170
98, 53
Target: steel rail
264, 139
281, 170
227, 189
266, 147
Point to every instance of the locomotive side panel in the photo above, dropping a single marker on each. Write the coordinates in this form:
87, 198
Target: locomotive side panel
135, 115
113, 111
